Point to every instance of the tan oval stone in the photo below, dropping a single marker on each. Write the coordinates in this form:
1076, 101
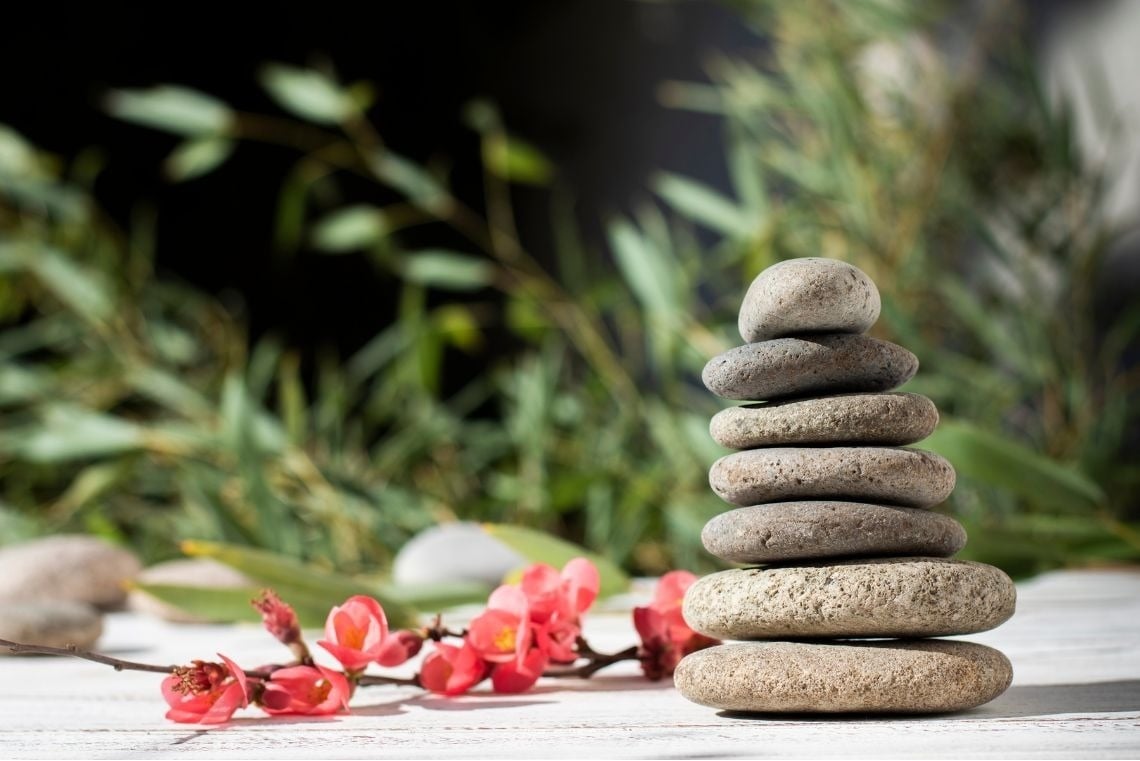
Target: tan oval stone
788, 531
821, 364
66, 567
890, 597
808, 295
51, 623
926, 676
909, 477
891, 419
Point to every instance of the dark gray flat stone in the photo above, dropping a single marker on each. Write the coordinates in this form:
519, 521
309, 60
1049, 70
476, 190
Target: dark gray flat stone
806, 366
926, 676
789, 531
890, 419
896, 476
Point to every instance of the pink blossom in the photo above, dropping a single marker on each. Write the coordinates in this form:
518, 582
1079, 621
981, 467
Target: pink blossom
665, 637
355, 632
502, 632
514, 676
205, 692
281, 621
451, 670
399, 646
556, 602
309, 690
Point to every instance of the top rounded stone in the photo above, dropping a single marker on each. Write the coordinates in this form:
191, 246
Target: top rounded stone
808, 295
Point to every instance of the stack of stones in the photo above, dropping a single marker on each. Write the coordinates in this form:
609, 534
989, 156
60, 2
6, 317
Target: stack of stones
850, 571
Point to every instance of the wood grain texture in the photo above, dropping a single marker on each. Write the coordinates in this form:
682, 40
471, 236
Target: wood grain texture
1074, 644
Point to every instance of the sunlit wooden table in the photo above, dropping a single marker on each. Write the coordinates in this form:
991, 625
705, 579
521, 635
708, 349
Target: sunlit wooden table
1074, 643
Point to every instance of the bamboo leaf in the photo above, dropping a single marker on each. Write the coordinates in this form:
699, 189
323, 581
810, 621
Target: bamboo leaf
198, 157
448, 270
704, 205
539, 547
1007, 464
232, 604
645, 270
416, 183
350, 229
72, 433
85, 291
171, 108
307, 93
287, 576
513, 160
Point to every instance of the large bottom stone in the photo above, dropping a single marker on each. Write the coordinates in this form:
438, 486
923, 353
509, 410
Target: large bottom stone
896, 597
896, 676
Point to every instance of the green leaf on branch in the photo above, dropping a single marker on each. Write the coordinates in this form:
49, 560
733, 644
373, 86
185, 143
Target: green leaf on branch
448, 270
171, 108
196, 158
350, 229
513, 160
72, 433
415, 182
539, 547
1007, 464
704, 205
308, 94
232, 604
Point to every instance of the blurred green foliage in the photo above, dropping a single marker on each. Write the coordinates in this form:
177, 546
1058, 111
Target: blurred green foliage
135, 407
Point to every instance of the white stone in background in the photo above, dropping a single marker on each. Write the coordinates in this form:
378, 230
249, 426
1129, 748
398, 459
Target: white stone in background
454, 552
191, 572
67, 567
50, 623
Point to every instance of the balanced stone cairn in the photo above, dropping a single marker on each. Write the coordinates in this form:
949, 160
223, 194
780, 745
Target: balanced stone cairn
850, 567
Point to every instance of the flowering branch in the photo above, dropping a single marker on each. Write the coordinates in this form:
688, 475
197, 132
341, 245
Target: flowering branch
524, 629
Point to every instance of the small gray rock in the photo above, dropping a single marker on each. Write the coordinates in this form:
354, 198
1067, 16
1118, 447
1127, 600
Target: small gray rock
890, 597
454, 552
789, 531
66, 567
890, 419
929, 676
191, 572
808, 295
50, 623
822, 364
897, 476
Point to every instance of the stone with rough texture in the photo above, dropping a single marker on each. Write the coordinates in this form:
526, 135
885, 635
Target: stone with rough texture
891, 597
808, 295
821, 364
930, 676
788, 531
891, 419
194, 572
66, 567
50, 623
896, 476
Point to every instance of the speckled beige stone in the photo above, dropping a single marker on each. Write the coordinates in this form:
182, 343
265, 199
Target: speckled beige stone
896, 476
66, 567
808, 295
821, 364
787, 531
892, 597
891, 419
926, 676
50, 623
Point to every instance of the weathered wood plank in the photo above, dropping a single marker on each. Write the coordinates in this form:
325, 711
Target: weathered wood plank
1074, 644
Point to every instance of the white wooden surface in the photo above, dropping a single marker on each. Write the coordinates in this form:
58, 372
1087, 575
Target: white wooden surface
1074, 643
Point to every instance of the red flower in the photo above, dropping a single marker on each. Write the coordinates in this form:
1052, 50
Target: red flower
451, 670
514, 676
355, 632
665, 637
205, 692
399, 646
556, 602
309, 690
502, 632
